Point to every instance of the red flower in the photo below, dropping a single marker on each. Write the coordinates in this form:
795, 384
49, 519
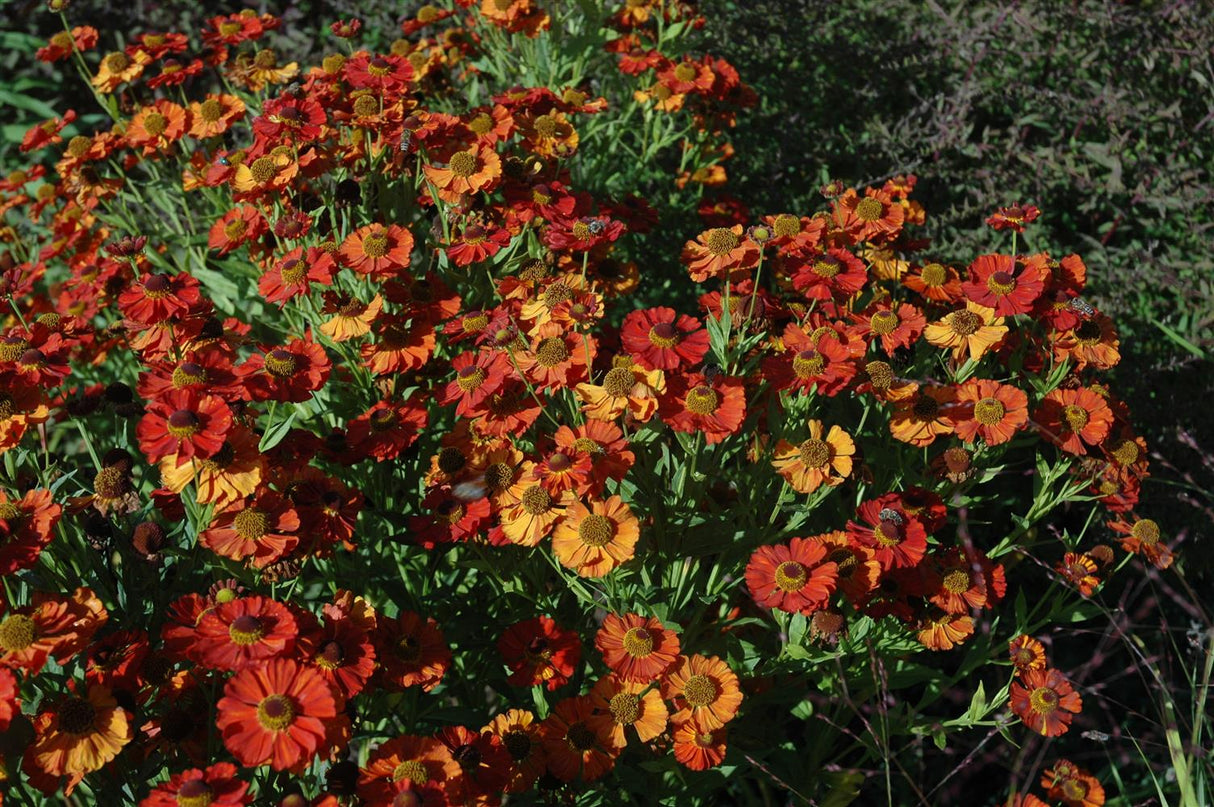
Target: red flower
1074, 419
26, 526
244, 632
290, 373
720, 252
1004, 284
796, 577
693, 404
660, 339
185, 423
897, 539
377, 251
293, 274
539, 651
477, 376
264, 528
217, 786
158, 297
277, 714
411, 651
387, 429
1013, 218
820, 363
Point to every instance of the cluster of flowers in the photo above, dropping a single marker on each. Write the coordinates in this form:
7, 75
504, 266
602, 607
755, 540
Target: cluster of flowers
432, 278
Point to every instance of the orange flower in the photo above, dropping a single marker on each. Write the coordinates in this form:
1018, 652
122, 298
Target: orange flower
245, 632
636, 648
26, 527
78, 735
22, 404
520, 735
594, 540
935, 282
703, 688
476, 169
619, 704
117, 68
923, 415
214, 115
1144, 538
1074, 419
969, 332
51, 626
277, 714
698, 747
721, 252
1045, 701
856, 565
795, 578
408, 762
377, 251
157, 127
352, 318
990, 410
1026, 653
231, 474
533, 511
816, 461
1079, 569
262, 530
572, 744
1073, 786
625, 387
270, 174
873, 217
944, 631
1092, 342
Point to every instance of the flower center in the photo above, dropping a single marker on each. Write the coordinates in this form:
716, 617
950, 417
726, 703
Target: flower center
383, 420
596, 530
263, 170
210, 110
1088, 332
721, 241
964, 323
870, 209
888, 534
1001, 283
499, 476
409, 649
280, 363
551, 351
77, 716
517, 743
685, 72
251, 523
884, 322
183, 423
1076, 417
276, 712
638, 642
235, 229
110, 483
933, 275
956, 581
471, 377
926, 407
1043, 700
1146, 531
545, 126
117, 62
791, 576
195, 793
815, 453
155, 124
880, 374
989, 411
293, 271
463, 163
556, 294
536, 500
451, 459
481, 124
700, 690
808, 363
625, 708
9, 512
580, 737
17, 632
702, 400
1126, 452
189, 373
375, 245
412, 770
246, 630
618, 382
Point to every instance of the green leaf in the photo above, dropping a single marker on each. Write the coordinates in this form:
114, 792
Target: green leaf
276, 433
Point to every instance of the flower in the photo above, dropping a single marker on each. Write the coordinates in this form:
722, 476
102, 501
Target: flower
696, 405
186, 423
620, 704
720, 252
571, 743
796, 577
79, 735
277, 714
990, 410
520, 735
1080, 571
411, 651
51, 626
1004, 283
699, 747
944, 630
897, 325
815, 461
245, 632
818, 361
26, 527
636, 648
408, 762
1073, 786
1074, 419
377, 251
475, 169
538, 651
896, 539
592, 540
1045, 701
1026, 653
660, 339
217, 786
702, 688
262, 528
1013, 218
1143, 537
969, 332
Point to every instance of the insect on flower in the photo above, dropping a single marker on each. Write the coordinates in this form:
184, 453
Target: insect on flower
1082, 306
890, 514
